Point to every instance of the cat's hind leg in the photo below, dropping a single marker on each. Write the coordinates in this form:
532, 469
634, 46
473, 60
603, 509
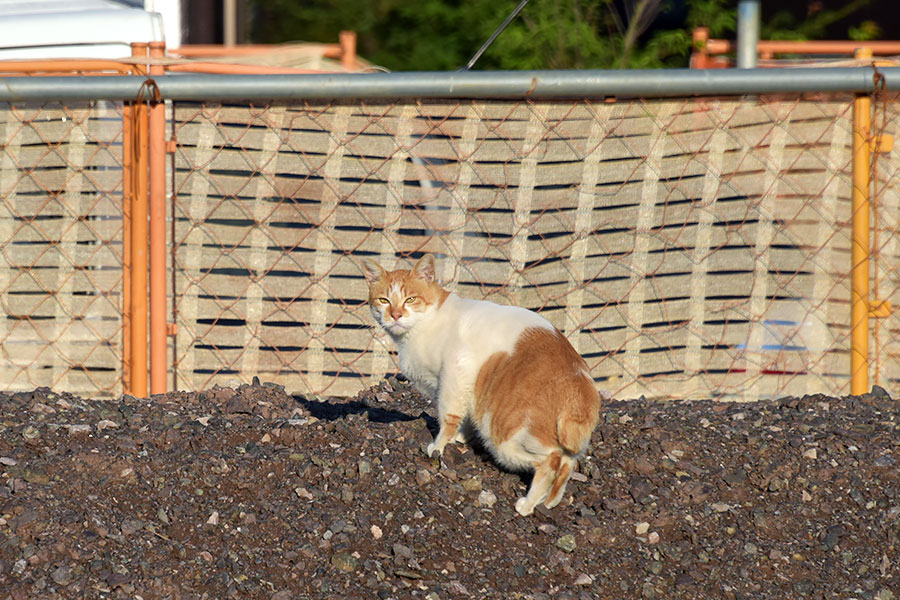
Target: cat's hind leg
566, 466
545, 473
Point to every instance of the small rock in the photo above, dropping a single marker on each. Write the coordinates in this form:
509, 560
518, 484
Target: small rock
584, 579
407, 574
36, 477
78, 429
566, 543
365, 468
213, 518
344, 562
653, 538
423, 477
106, 424
9, 462
833, 535
31, 433
472, 485
811, 454
61, 575
880, 393
642, 528
19, 566
302, 492
486, 499
376, 532
885, 460
205, 556
750, 548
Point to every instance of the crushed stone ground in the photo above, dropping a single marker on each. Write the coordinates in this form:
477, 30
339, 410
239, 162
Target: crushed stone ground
254, 493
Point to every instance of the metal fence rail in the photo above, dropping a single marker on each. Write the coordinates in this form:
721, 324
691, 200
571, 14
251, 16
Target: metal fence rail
690, 247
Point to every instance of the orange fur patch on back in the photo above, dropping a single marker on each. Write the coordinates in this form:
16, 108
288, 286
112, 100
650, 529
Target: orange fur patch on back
541, 385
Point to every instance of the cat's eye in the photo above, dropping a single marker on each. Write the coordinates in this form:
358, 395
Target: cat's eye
384, 300
411, 299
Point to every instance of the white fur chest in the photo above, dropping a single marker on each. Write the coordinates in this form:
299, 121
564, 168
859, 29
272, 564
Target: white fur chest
448, 345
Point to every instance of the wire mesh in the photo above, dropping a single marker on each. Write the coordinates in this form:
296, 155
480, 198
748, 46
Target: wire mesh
885, 349
60, 247
689, 248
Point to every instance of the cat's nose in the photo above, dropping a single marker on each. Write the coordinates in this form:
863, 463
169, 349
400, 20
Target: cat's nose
396, 315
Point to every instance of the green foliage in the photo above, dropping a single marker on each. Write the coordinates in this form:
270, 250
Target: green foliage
548, 34
786, 26
867, 30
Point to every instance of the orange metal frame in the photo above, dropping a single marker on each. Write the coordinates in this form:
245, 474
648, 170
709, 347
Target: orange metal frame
708, 51
144, 186
862, 305
136, 307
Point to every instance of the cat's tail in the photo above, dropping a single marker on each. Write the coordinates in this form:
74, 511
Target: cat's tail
576, 422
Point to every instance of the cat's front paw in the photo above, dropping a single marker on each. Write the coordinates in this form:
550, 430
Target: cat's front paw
522, 507
433, 451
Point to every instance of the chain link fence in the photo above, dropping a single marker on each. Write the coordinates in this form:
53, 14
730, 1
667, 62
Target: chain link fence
885, 351
690, 248
61, 182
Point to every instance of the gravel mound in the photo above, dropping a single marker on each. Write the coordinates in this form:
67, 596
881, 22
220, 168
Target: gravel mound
254, 493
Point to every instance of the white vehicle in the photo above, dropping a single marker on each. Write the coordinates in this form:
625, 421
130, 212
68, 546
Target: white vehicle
35, 29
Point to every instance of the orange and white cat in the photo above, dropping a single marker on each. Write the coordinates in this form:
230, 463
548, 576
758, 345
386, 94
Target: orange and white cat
503, 370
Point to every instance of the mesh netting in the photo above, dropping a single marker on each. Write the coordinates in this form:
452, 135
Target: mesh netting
61, 247
689, 248
884, 353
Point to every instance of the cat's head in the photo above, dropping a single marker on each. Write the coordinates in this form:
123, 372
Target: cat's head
400, 299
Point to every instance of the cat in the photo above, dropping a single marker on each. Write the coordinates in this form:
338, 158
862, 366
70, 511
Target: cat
503, 371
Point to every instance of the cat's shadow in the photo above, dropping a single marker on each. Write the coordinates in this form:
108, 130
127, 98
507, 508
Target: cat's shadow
334, 411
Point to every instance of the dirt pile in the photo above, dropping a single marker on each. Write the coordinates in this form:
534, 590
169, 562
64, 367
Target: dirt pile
253, 493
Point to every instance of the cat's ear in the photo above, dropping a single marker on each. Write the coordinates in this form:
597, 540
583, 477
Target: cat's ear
424, 268
372, 270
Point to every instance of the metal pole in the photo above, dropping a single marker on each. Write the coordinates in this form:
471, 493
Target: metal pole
157, 134
747, 33
139, 246
859, 253
458, 84
229, 22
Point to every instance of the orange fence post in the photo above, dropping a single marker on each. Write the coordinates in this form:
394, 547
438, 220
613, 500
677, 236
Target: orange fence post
860, 251
127, 199
139, 246
347, 41
158, 367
